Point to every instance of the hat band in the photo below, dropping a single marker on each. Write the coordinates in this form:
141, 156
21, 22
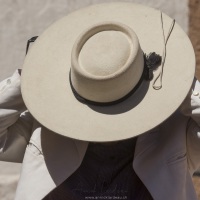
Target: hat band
150, 63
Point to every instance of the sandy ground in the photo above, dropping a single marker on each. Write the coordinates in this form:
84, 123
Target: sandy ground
196, 180
194, 30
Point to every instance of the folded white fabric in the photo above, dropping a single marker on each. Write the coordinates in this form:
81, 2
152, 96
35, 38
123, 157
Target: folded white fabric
15, 124
191, 105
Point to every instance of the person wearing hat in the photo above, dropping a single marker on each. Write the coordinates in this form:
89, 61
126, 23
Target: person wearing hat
106, 107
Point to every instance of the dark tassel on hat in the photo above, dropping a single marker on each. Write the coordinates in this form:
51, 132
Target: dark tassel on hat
152, 61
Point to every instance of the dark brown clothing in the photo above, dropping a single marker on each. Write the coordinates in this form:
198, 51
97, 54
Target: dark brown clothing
105, 173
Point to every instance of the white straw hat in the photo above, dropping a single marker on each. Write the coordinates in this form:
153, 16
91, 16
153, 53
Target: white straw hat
86, 77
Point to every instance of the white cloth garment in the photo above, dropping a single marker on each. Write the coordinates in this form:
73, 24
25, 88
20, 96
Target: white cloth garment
165, 157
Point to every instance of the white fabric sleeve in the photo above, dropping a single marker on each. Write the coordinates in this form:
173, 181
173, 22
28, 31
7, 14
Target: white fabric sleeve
191, 108
15, 120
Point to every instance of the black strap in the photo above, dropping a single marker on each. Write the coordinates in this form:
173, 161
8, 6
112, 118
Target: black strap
29, 41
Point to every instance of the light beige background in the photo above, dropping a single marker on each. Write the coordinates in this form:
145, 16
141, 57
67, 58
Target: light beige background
22, 19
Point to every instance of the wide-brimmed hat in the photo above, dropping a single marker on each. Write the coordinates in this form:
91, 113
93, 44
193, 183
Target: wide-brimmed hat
96, 74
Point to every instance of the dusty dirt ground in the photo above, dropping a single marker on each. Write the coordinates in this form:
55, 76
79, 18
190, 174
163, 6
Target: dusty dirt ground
194, 33
196, 180
194, 30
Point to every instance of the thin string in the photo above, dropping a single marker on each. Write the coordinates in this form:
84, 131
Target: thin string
160, 75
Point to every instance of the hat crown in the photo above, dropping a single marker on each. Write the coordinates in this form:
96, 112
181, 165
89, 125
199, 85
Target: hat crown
105, 53
107, 62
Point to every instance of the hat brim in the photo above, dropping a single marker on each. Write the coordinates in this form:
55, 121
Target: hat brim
45, 76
